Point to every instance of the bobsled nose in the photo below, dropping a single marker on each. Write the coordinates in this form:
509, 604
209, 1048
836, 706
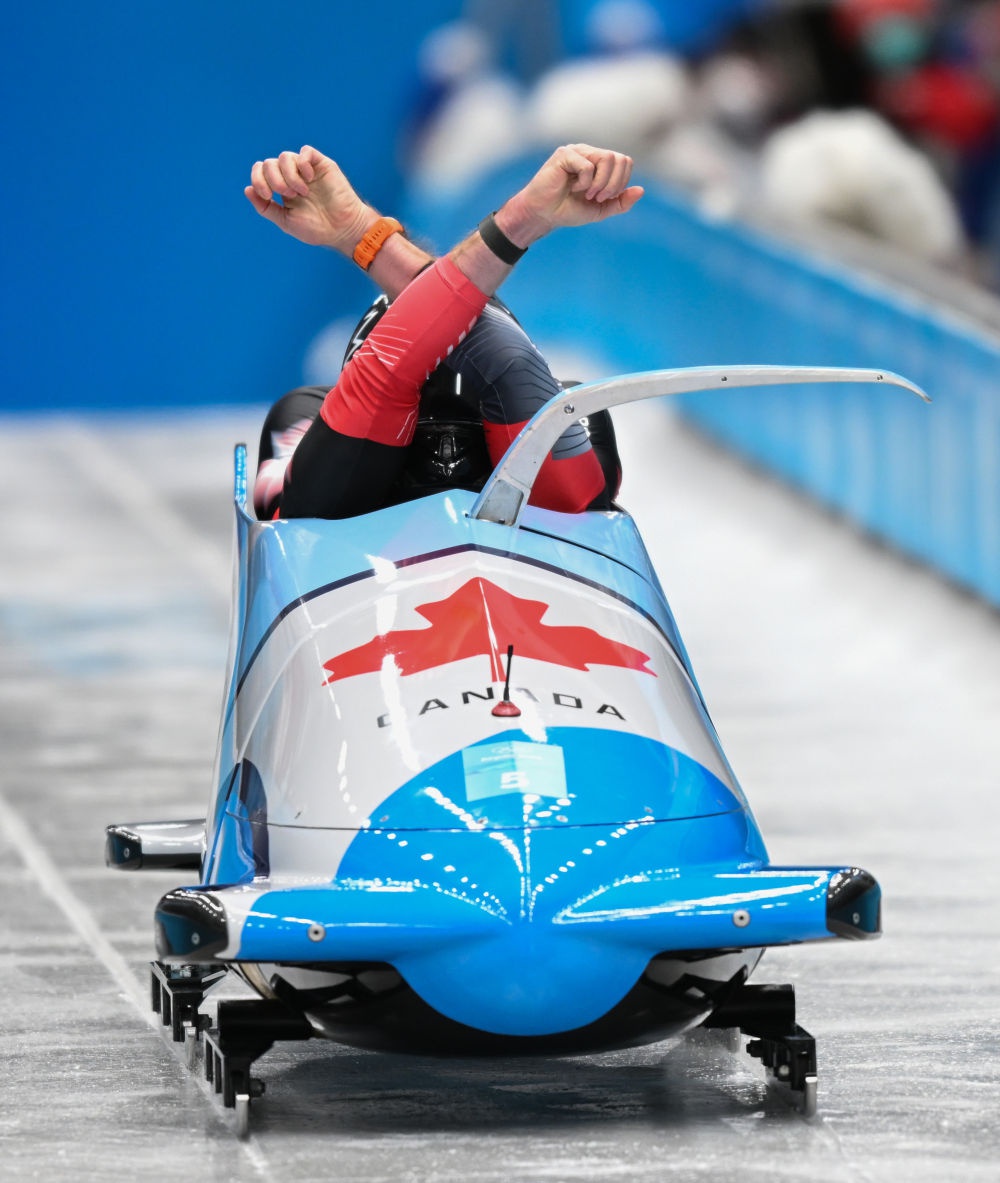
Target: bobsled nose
529, 980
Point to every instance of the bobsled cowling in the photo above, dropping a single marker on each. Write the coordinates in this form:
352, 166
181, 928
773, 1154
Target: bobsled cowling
578, 861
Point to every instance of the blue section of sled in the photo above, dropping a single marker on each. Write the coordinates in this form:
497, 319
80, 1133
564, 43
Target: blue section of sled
599, 774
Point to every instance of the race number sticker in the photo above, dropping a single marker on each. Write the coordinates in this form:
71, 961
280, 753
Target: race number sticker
500, 769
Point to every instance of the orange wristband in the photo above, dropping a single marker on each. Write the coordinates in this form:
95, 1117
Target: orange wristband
375, 238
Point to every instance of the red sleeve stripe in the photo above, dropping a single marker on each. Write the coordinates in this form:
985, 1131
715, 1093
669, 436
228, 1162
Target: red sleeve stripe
568, 485
378, 393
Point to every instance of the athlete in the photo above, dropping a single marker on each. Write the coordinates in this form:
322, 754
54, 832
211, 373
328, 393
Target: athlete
348, 451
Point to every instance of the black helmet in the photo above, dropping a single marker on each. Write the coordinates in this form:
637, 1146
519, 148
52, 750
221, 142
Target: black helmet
449, 446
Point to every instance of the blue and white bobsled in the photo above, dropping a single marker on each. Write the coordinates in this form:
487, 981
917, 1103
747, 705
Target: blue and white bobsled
468, 796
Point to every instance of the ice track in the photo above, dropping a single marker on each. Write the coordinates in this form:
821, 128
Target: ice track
858, 699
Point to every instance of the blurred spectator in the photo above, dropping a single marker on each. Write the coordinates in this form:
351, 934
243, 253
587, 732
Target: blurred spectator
713, 150
936, 78
850, 167
882, 114
469, 116
920, 167
627, 90
807, 55
632, 100
974, 37
939, 97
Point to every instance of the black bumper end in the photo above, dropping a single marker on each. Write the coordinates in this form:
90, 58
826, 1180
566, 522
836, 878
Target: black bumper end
190, 926
854, 905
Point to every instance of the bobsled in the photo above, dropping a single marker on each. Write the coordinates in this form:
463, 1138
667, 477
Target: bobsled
468, 797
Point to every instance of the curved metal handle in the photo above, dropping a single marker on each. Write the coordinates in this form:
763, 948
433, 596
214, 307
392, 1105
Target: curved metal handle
506, 492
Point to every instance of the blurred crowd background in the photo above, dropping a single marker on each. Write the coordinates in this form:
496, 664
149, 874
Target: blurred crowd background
880, 114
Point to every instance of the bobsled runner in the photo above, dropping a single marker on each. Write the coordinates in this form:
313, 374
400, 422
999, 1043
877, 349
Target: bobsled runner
468, 798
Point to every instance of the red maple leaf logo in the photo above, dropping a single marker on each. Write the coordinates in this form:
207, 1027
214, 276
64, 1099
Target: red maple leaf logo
482, 619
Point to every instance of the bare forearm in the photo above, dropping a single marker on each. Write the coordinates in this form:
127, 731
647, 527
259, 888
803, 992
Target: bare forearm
397, 264
475, 259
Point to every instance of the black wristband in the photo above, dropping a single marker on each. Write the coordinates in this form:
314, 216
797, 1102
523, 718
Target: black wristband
498, 242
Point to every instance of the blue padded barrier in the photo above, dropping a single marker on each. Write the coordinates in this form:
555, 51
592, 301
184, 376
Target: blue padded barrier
668, 287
